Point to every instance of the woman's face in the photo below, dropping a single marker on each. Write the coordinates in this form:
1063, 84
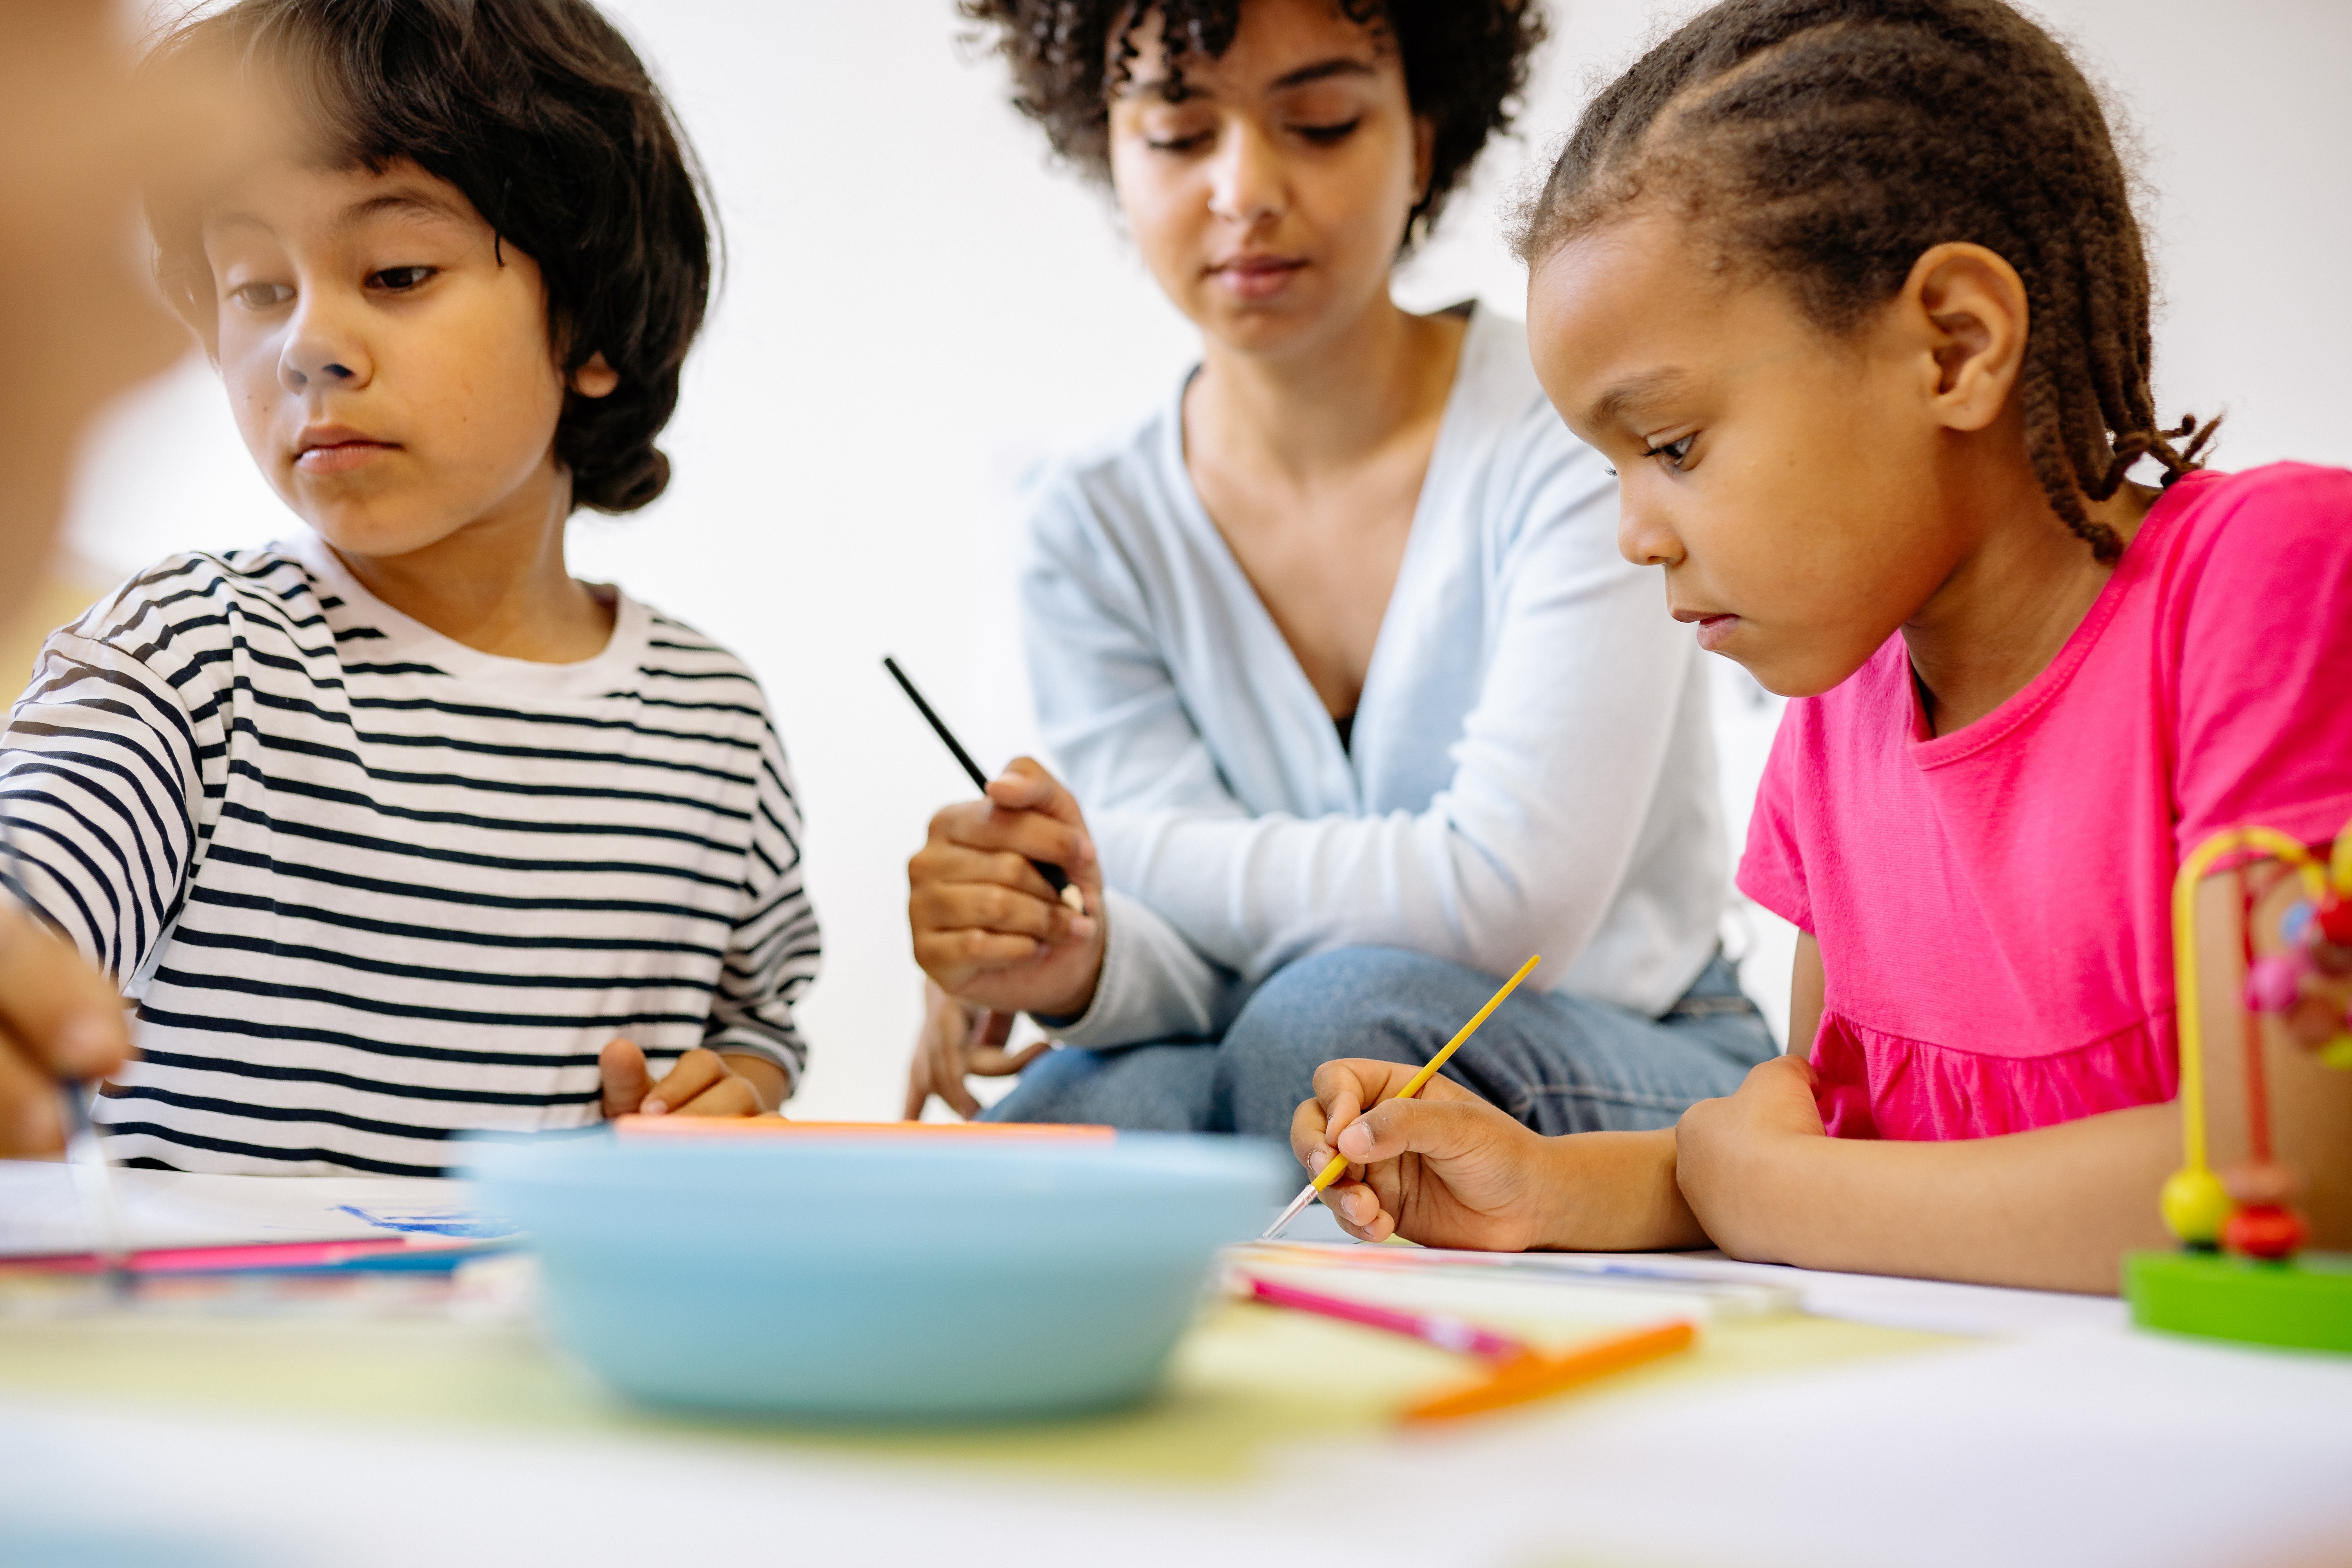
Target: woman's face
1270, 195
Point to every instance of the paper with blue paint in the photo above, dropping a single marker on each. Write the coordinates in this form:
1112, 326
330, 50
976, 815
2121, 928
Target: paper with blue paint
39, 1213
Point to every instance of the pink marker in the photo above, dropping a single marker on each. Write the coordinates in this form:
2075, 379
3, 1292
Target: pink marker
1440, 1329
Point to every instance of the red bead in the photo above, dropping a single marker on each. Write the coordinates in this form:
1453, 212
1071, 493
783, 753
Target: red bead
2334, 917
2263, 1231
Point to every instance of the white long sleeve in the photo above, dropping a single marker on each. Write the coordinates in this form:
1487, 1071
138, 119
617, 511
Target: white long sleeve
1531, 770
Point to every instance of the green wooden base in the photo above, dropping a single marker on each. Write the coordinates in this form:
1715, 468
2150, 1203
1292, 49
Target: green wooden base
2306, 1303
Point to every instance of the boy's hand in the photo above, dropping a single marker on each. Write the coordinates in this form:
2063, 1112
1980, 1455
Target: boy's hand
703, 1083
988, 929
957, 1040
1445, 1168
1728, 1150
59, 1018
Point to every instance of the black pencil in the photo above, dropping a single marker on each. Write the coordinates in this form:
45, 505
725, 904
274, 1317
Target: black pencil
1052, 874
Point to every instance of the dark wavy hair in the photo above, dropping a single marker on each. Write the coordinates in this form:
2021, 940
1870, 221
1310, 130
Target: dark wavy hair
543, 115
1830, 143
1466, 64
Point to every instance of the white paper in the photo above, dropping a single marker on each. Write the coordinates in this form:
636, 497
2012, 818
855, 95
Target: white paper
41, 1214
1932, 1305
2083, 1449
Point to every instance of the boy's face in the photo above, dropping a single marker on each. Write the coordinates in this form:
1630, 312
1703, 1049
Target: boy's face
387, 359
1788, 481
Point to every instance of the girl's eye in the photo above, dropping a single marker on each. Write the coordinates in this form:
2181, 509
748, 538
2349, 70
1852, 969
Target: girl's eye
260, 296
1329, 135
1193, 142
399, 279
1674, 452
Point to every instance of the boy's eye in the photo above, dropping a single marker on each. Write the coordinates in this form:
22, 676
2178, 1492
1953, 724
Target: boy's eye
1674, 452
1329, 135
260, 296
399, 279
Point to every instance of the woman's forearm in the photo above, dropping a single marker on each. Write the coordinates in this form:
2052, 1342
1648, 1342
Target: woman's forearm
2055, 1208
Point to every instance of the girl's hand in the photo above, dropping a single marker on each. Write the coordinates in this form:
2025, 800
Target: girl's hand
703, 1083
1728, 1150
957, 1040
987, 928
1445, 1168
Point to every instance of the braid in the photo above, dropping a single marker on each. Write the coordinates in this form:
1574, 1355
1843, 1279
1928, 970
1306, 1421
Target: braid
1834, 142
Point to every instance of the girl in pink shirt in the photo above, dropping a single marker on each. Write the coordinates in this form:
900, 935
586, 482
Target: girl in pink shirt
1852, 293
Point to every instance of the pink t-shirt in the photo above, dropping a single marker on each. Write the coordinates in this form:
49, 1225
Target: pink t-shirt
1993, 905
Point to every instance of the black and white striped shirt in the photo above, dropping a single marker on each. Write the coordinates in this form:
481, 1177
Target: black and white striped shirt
370, 887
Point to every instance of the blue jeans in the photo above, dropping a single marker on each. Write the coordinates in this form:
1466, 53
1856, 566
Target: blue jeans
1560, 1064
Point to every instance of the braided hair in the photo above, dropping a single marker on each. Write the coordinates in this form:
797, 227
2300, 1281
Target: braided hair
1465, 65
1830, 143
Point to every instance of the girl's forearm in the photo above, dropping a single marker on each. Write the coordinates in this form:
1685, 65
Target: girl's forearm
1615, 1192
2051, 1209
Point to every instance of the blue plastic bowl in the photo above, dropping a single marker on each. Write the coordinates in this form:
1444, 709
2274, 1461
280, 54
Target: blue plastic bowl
884, 1280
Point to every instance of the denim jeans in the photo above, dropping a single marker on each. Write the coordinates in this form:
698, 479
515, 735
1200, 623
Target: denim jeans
1560, 1064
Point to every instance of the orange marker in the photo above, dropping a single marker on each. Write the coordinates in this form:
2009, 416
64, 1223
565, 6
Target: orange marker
674, 1126
1534, 1378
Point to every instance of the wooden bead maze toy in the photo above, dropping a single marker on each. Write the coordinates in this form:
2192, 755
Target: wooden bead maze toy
2241, 1273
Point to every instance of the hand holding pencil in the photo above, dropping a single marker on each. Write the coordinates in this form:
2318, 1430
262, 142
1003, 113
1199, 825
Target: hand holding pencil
988, 926
1445, 1168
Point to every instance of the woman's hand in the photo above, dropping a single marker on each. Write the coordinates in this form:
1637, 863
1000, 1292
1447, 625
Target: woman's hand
703, 1083
1729, 1152
957, 1040
59, 1018
1445, 1168
987, 928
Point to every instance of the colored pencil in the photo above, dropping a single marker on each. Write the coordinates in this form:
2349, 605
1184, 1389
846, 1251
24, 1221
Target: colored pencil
1420, 1081
1537, 1377
1443, 1330
1055, 877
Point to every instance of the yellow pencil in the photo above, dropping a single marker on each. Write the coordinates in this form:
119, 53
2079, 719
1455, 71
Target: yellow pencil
1330, 1172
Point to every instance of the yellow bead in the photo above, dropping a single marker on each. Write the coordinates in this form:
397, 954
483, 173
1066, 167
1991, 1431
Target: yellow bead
2196, 1206
2337, 1052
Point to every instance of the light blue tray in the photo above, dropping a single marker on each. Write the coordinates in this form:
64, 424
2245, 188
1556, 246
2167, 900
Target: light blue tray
890, 1279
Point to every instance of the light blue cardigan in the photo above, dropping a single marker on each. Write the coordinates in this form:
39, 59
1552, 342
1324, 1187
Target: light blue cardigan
1532, 769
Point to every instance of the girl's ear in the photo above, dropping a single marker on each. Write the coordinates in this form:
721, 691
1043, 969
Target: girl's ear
596, 379
1424, 156
1971, 307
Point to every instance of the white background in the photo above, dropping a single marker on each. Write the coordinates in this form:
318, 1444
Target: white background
916, 308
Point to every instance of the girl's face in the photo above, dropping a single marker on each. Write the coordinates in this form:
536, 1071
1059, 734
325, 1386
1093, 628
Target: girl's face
1793, 484
1270, 197
387, 359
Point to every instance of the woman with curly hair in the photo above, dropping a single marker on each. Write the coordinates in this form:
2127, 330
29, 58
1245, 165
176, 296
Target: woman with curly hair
1357, 703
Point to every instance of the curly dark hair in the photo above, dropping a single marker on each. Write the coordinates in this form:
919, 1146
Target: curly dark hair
1466, 64
543, 115
1830, 143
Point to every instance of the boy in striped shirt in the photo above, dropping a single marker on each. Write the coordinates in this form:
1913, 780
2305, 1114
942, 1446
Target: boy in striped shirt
401, 830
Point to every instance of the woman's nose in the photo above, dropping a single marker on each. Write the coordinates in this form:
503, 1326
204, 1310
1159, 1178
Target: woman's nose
1246, 183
